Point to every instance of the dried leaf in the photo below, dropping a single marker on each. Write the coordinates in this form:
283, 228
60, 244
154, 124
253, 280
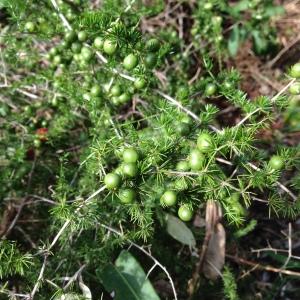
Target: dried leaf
215, 254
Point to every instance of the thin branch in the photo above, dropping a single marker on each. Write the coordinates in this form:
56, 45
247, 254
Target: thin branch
40, 278
283, 90
188, 112
62, 17
56, 238
262, 267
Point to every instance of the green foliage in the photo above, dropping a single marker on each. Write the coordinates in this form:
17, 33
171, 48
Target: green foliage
88, 141
127, 279
12, 261
230, 286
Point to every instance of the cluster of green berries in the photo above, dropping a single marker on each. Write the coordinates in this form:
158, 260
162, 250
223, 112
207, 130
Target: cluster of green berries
169, 198
127, 170
195, 162
82, 54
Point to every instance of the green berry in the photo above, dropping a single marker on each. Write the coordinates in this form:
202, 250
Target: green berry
30, 27
139, 83
95, 91
98, 43
183, 128
70, 36
76, 47
204, 142
112, 181
109, 47
124, 98
185, 213
130, 62
276, 162
127, 195
130, 169
53, 51
295, 70
208, 6
130, 155
210, 89
151, 60
115, 100
115, 90
86, 97
227, 85
295, 89
153, 45
169, 198
86, 54
196, 160
182, 166
57, 60
37, 143
82, 36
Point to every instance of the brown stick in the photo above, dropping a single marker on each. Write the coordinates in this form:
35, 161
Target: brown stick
262, 267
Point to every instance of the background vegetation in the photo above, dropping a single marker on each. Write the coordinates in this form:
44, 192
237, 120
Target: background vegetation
149, 149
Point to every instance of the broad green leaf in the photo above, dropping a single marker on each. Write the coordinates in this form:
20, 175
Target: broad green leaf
234, 41
127, 279
271, 11
239, 7
260, 44
179, 231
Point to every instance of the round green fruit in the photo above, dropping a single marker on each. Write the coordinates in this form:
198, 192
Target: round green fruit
169, 198
208, 6
295, 89
95, 91
115, 90
204, 142
185, 213
130, 155
82, 36
112, 181
153, 45
127, 196
150, 60
139, 83
228, 85
53, 51
130, 169
196, 160
183, 128
86, 96
182, 166
124, 98
295, 70
64, 45
276, 162
30, 27
76, 47
210, 89
37, 143
109, 47
130, 62
57, 60
70, 36
98, 43
86, 54
70, 16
